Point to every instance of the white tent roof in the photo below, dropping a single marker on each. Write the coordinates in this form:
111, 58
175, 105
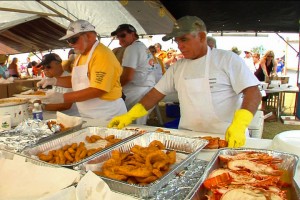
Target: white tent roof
148, 17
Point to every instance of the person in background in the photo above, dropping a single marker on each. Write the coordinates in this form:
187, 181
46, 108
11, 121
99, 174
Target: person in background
256, 60
158, 64
36, 68
3, 66
159, 52
249, 61
267, 68
138, 75
209, 83
119, 52
95, 76
211, 42
236, 50
170, 59
280, 67
13, 68
68, 64
29, 67
52, 66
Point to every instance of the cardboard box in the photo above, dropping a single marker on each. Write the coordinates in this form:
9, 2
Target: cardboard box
291, 120
283, 79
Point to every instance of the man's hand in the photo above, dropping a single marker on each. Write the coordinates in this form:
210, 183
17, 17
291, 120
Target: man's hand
46, 81
137, 111
53, 97
235, 134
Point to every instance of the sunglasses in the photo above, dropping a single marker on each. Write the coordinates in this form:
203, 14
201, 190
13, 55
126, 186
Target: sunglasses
123, 35
73, 40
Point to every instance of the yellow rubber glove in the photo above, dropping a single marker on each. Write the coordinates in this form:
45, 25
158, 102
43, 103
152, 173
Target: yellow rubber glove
235, 134
137, 111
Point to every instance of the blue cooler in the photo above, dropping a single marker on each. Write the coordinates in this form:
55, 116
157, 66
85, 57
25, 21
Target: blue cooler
172, 110
173, 124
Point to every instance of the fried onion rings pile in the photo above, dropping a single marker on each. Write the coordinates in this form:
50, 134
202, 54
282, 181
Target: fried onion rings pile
142, 165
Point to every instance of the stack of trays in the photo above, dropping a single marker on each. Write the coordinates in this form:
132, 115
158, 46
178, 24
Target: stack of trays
186, 151
77, 137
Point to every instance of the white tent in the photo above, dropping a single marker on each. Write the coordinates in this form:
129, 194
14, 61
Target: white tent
148, 17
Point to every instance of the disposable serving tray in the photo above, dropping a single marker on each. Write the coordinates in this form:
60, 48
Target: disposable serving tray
289, 164
186, 149
12, 155
79, 136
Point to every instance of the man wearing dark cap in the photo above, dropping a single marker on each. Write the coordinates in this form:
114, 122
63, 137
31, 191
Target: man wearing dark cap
52, 67
216, 90
138, 75
95, 76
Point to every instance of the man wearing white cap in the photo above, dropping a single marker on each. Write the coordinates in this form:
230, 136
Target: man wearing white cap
209, 84
249, 61
95, 76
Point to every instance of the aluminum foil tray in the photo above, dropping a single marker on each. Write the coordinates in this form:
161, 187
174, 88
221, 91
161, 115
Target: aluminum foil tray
186, 148
77, 137
11, 155
289, 164
29, 133
61, 133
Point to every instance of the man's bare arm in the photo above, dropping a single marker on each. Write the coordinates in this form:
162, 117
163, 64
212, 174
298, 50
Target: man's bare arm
252, 99
151, 98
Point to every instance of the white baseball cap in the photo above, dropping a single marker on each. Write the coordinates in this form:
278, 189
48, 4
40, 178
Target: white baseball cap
76, 27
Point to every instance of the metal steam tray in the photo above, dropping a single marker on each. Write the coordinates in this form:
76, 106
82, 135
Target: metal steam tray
186, 151
79, 136
289, 164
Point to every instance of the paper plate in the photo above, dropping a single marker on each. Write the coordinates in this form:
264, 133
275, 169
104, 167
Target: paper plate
28, 96
287, 141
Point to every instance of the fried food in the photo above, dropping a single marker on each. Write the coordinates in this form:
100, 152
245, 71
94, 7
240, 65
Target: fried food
214, 142
50, 124
38, 92
75, 152
142, 165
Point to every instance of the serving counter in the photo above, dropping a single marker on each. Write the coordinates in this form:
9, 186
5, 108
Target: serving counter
18, 86
205, 155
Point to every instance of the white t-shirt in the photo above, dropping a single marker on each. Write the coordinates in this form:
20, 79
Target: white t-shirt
250, 64
228, 76
138, 57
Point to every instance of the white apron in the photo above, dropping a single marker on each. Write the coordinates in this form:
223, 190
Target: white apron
196, 106
94, 108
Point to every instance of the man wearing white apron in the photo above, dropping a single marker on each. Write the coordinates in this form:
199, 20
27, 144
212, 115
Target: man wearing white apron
95, 76
217, 92
139, 72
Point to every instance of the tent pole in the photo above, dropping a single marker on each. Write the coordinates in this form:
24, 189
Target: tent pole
288, 44
55, 11
297, 101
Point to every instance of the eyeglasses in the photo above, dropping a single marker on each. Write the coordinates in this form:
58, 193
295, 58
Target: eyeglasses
123, 35
73, 40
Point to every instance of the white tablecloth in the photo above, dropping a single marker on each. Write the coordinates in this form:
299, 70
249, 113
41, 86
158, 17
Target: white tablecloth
203, 155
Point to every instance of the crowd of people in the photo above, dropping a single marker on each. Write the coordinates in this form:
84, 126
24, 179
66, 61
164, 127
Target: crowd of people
217, 89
